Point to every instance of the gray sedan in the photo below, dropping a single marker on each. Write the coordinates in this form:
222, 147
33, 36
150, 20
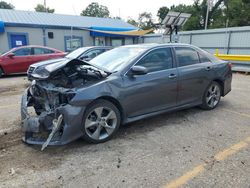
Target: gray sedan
92, 99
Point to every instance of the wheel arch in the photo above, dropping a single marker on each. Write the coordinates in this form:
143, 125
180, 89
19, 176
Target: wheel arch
1, 67
116, 103
221, 83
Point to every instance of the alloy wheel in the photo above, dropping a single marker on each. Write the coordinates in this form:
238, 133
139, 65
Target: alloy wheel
213, 95
100, 123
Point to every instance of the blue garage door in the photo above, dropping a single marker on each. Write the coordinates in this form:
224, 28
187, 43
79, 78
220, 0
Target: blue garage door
18, 40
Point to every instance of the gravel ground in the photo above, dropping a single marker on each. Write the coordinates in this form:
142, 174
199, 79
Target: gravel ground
147, 153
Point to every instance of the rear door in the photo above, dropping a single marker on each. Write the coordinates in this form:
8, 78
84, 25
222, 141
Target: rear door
41, 54
154, 91
19, 62
194, 75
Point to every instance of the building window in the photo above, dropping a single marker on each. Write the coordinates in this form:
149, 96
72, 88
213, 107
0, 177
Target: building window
72, 43
99, 41
117, 42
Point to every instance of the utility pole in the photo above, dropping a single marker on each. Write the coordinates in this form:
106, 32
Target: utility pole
209, 8
45, 6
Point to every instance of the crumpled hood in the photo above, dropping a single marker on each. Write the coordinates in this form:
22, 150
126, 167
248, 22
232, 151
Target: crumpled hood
47, 62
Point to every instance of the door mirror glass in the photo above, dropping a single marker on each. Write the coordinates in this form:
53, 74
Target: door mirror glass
139, 70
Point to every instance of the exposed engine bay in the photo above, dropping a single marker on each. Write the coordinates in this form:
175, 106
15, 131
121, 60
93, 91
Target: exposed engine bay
50, 97
75, 74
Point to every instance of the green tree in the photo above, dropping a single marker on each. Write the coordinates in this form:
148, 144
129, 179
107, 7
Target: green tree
132, 22
145, 21
162, 13
4, 5
237, 12
41, 8
96, 10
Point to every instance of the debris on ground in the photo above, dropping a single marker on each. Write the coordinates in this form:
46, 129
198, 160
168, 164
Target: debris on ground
12, 171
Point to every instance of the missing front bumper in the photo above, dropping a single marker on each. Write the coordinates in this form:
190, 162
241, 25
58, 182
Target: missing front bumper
43, 129
34, 126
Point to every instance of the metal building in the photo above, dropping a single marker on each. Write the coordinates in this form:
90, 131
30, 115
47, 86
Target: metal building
232, 40
64, 32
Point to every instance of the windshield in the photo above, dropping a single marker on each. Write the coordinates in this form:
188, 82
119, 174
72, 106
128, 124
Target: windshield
76, 53
117, 58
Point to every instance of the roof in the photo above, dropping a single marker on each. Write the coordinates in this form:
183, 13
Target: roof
19, 17
153, 45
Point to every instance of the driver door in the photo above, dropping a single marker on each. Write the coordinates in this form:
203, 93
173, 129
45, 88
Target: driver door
154, 91
18, 63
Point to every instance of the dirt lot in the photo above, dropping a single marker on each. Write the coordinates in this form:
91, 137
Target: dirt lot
190, 148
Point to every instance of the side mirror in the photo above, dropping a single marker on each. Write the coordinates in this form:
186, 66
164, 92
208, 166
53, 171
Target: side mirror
11, 55
139, 70
85, 58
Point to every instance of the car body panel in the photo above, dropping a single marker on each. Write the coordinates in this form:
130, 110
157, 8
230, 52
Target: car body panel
153, 88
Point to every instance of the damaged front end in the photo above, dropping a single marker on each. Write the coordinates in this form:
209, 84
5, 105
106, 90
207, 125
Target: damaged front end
48, 116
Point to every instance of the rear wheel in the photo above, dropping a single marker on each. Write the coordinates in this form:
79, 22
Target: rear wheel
101, 121
211, 96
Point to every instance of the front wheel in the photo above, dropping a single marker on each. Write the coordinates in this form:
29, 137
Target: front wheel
1, 72
101, 121
212, 96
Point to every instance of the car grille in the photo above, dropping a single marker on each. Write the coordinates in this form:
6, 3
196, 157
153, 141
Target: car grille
31, 69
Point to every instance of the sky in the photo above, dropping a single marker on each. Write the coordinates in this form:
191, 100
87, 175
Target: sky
122, 8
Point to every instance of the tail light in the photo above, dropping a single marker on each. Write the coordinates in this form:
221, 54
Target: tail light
230, 66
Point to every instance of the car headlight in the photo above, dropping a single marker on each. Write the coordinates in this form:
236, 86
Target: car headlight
41, 72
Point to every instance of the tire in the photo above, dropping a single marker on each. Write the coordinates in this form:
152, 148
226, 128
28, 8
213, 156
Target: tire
1, 72
101, 121
212, 96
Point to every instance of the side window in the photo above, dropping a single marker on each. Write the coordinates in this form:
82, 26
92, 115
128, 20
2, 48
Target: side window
156, 60
41, 51
186, 56
203, 58
93, 53
23, 52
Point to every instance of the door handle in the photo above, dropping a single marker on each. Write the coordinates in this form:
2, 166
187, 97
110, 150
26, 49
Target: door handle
208, 68
172, 76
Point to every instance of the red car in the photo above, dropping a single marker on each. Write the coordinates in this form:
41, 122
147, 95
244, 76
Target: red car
18, 60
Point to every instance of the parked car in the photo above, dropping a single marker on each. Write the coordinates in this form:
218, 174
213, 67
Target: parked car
84, 53
18, 60
92, 99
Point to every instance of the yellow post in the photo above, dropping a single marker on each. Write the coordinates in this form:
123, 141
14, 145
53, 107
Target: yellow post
217, 52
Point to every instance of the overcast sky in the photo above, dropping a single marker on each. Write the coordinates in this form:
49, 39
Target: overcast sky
122, 8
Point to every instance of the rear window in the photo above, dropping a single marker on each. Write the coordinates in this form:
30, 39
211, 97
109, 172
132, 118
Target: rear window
186, 56
210, 56
204, 58
41, 51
